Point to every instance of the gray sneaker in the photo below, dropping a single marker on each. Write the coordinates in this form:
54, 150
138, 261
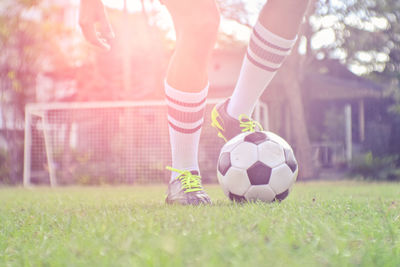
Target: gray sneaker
186, 189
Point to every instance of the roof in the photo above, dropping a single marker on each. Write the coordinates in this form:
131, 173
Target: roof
327, 87
331, 80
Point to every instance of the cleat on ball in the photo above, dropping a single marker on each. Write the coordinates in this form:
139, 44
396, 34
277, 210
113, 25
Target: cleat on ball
229, 127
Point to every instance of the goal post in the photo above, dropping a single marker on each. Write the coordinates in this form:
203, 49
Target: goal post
120, 142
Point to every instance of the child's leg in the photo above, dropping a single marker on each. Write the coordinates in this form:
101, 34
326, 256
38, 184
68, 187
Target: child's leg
186, 87
271, 41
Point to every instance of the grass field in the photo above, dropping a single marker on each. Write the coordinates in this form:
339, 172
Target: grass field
320, 224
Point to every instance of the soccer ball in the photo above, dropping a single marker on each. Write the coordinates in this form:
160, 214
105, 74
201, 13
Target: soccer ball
257, 166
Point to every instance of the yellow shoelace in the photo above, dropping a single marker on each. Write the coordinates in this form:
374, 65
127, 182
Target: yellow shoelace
190, 182
249, 125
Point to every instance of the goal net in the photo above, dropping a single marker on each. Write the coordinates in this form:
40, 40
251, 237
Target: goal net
108, 142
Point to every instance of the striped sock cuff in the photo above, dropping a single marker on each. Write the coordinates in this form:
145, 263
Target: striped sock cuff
267, 50
185, 110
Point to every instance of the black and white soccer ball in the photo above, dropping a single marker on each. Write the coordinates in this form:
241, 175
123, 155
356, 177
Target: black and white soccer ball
257, 166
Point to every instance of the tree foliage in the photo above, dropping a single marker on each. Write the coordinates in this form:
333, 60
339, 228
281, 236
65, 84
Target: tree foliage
30, 42
367, 39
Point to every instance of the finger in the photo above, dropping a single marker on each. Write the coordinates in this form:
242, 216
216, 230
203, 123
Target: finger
105, 27
89, 33
106, 30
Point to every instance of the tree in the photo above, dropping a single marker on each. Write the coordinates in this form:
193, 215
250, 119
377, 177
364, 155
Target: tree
30, 42
367, 41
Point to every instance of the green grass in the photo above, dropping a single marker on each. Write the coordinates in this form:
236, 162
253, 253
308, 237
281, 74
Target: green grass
320, 224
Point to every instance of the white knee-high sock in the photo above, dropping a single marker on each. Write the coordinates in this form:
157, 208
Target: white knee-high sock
185, 118
265, 54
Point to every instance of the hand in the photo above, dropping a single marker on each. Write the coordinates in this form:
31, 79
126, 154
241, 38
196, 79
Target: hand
94, 23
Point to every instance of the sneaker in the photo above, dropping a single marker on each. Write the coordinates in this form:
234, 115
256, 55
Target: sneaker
227, 126
186, 189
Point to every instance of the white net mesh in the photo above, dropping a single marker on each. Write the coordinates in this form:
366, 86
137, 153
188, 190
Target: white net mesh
95, 143
99, 143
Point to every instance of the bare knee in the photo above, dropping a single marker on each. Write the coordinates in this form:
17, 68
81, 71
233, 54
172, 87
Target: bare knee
293, 7
203, 28
283, 17
198, 22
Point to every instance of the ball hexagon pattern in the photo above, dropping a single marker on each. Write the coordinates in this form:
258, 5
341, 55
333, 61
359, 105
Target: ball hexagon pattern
234, 181
244, 155
257, 166
260, 192
224, 162
290, 159
271, 153
281, 178
256, 138
259, 173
